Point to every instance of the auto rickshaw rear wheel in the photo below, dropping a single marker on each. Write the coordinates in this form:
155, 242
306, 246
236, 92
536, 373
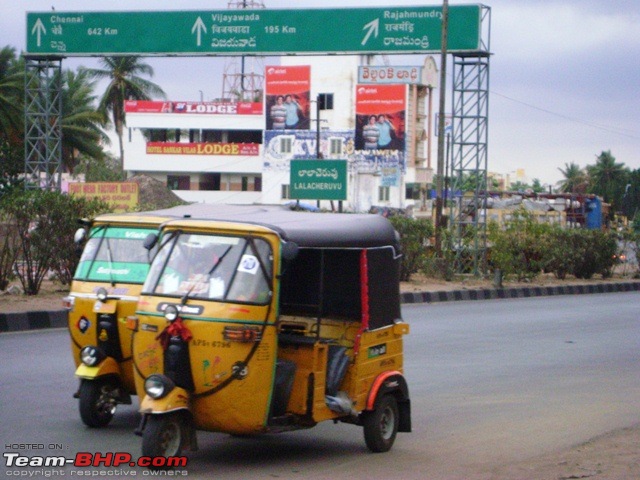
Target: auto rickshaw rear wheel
381, 424
162, 436
97, 401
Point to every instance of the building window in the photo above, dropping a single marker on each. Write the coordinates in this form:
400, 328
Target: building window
412, 191
213, 136
245, 184
210, 181
285, 192
257, 184
245, 136
178, 182
286, 144
158, 135
383, 194
325, 101
335, 145
194, 136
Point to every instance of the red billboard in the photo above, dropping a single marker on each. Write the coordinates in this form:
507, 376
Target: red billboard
201, 108
380, 117
287, 97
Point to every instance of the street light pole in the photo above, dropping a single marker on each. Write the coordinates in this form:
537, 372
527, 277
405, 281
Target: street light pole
441, 138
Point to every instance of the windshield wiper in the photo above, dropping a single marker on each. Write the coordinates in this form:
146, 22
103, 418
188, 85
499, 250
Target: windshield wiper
110, 258
95, 254
185, 297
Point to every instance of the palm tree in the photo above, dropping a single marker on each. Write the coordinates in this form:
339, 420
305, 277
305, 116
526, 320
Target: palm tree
575, 179
124, 84
11, 95
607, 178
81, 124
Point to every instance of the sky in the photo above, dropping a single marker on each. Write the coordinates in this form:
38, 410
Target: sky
563, 82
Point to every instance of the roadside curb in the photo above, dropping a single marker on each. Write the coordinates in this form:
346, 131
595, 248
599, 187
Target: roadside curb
516, 292
17, 322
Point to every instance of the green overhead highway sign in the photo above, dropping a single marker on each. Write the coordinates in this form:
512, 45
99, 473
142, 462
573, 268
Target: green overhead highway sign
253, 32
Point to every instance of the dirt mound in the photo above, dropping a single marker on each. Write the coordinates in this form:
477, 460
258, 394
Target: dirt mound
154, 194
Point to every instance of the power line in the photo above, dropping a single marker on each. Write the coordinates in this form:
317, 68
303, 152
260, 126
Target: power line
605, 128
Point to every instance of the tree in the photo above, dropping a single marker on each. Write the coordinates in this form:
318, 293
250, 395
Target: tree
105, 169
575, 179
630, 203
519, 186
608, 179
11, 162
82, 132
11, 95
124, 84
537, 187
475, 181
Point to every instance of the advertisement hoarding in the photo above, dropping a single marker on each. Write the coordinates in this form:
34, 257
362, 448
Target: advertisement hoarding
287, 97
380, 117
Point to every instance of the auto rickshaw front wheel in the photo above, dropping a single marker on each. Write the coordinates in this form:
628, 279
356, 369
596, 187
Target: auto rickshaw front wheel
97, 401
162, 435
381, 424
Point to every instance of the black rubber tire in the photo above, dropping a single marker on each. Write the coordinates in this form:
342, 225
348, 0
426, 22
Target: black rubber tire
97, 402
163, 436
381, 424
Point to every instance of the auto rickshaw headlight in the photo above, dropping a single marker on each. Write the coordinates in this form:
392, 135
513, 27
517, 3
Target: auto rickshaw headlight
91, 356
171, 312
158, 386
68, 302
102, 294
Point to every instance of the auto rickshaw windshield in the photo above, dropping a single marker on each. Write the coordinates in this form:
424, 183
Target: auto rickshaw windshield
114, 254
212, 267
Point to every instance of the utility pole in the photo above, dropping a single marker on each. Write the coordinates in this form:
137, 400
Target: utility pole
441, 150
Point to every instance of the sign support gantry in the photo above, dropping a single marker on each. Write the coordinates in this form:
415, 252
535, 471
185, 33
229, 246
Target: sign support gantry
43, 122
468, 225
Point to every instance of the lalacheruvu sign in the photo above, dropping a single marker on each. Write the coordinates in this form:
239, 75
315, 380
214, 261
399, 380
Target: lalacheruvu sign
318, 179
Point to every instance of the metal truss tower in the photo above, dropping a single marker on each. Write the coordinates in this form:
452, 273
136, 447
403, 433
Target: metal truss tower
243, 82
469, 147
43, 123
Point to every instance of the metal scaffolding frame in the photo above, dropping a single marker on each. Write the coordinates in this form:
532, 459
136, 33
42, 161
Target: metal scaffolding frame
469, 148
43, 123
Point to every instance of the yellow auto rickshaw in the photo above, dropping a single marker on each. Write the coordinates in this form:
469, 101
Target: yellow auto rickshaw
261, 320
104, 292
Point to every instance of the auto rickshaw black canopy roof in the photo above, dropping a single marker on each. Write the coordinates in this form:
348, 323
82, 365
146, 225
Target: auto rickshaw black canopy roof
307, 229
348, 265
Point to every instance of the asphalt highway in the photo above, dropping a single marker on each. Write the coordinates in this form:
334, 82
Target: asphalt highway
491, 382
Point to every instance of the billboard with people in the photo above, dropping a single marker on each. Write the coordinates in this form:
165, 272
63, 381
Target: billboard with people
380, 117
287, 97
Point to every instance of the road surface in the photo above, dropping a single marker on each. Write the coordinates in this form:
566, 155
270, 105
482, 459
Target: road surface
492, 383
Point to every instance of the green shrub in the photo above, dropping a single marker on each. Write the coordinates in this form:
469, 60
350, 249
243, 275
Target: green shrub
519, 248
565, 249
9, 248
44, 224
414, 239
605, 247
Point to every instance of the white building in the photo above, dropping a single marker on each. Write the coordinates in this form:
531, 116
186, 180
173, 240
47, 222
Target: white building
229, 152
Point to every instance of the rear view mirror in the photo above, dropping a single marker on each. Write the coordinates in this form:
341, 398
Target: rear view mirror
79, 236
150, 241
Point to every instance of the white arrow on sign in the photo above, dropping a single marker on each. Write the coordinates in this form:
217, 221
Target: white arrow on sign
373, 27
199, 27
39, 30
